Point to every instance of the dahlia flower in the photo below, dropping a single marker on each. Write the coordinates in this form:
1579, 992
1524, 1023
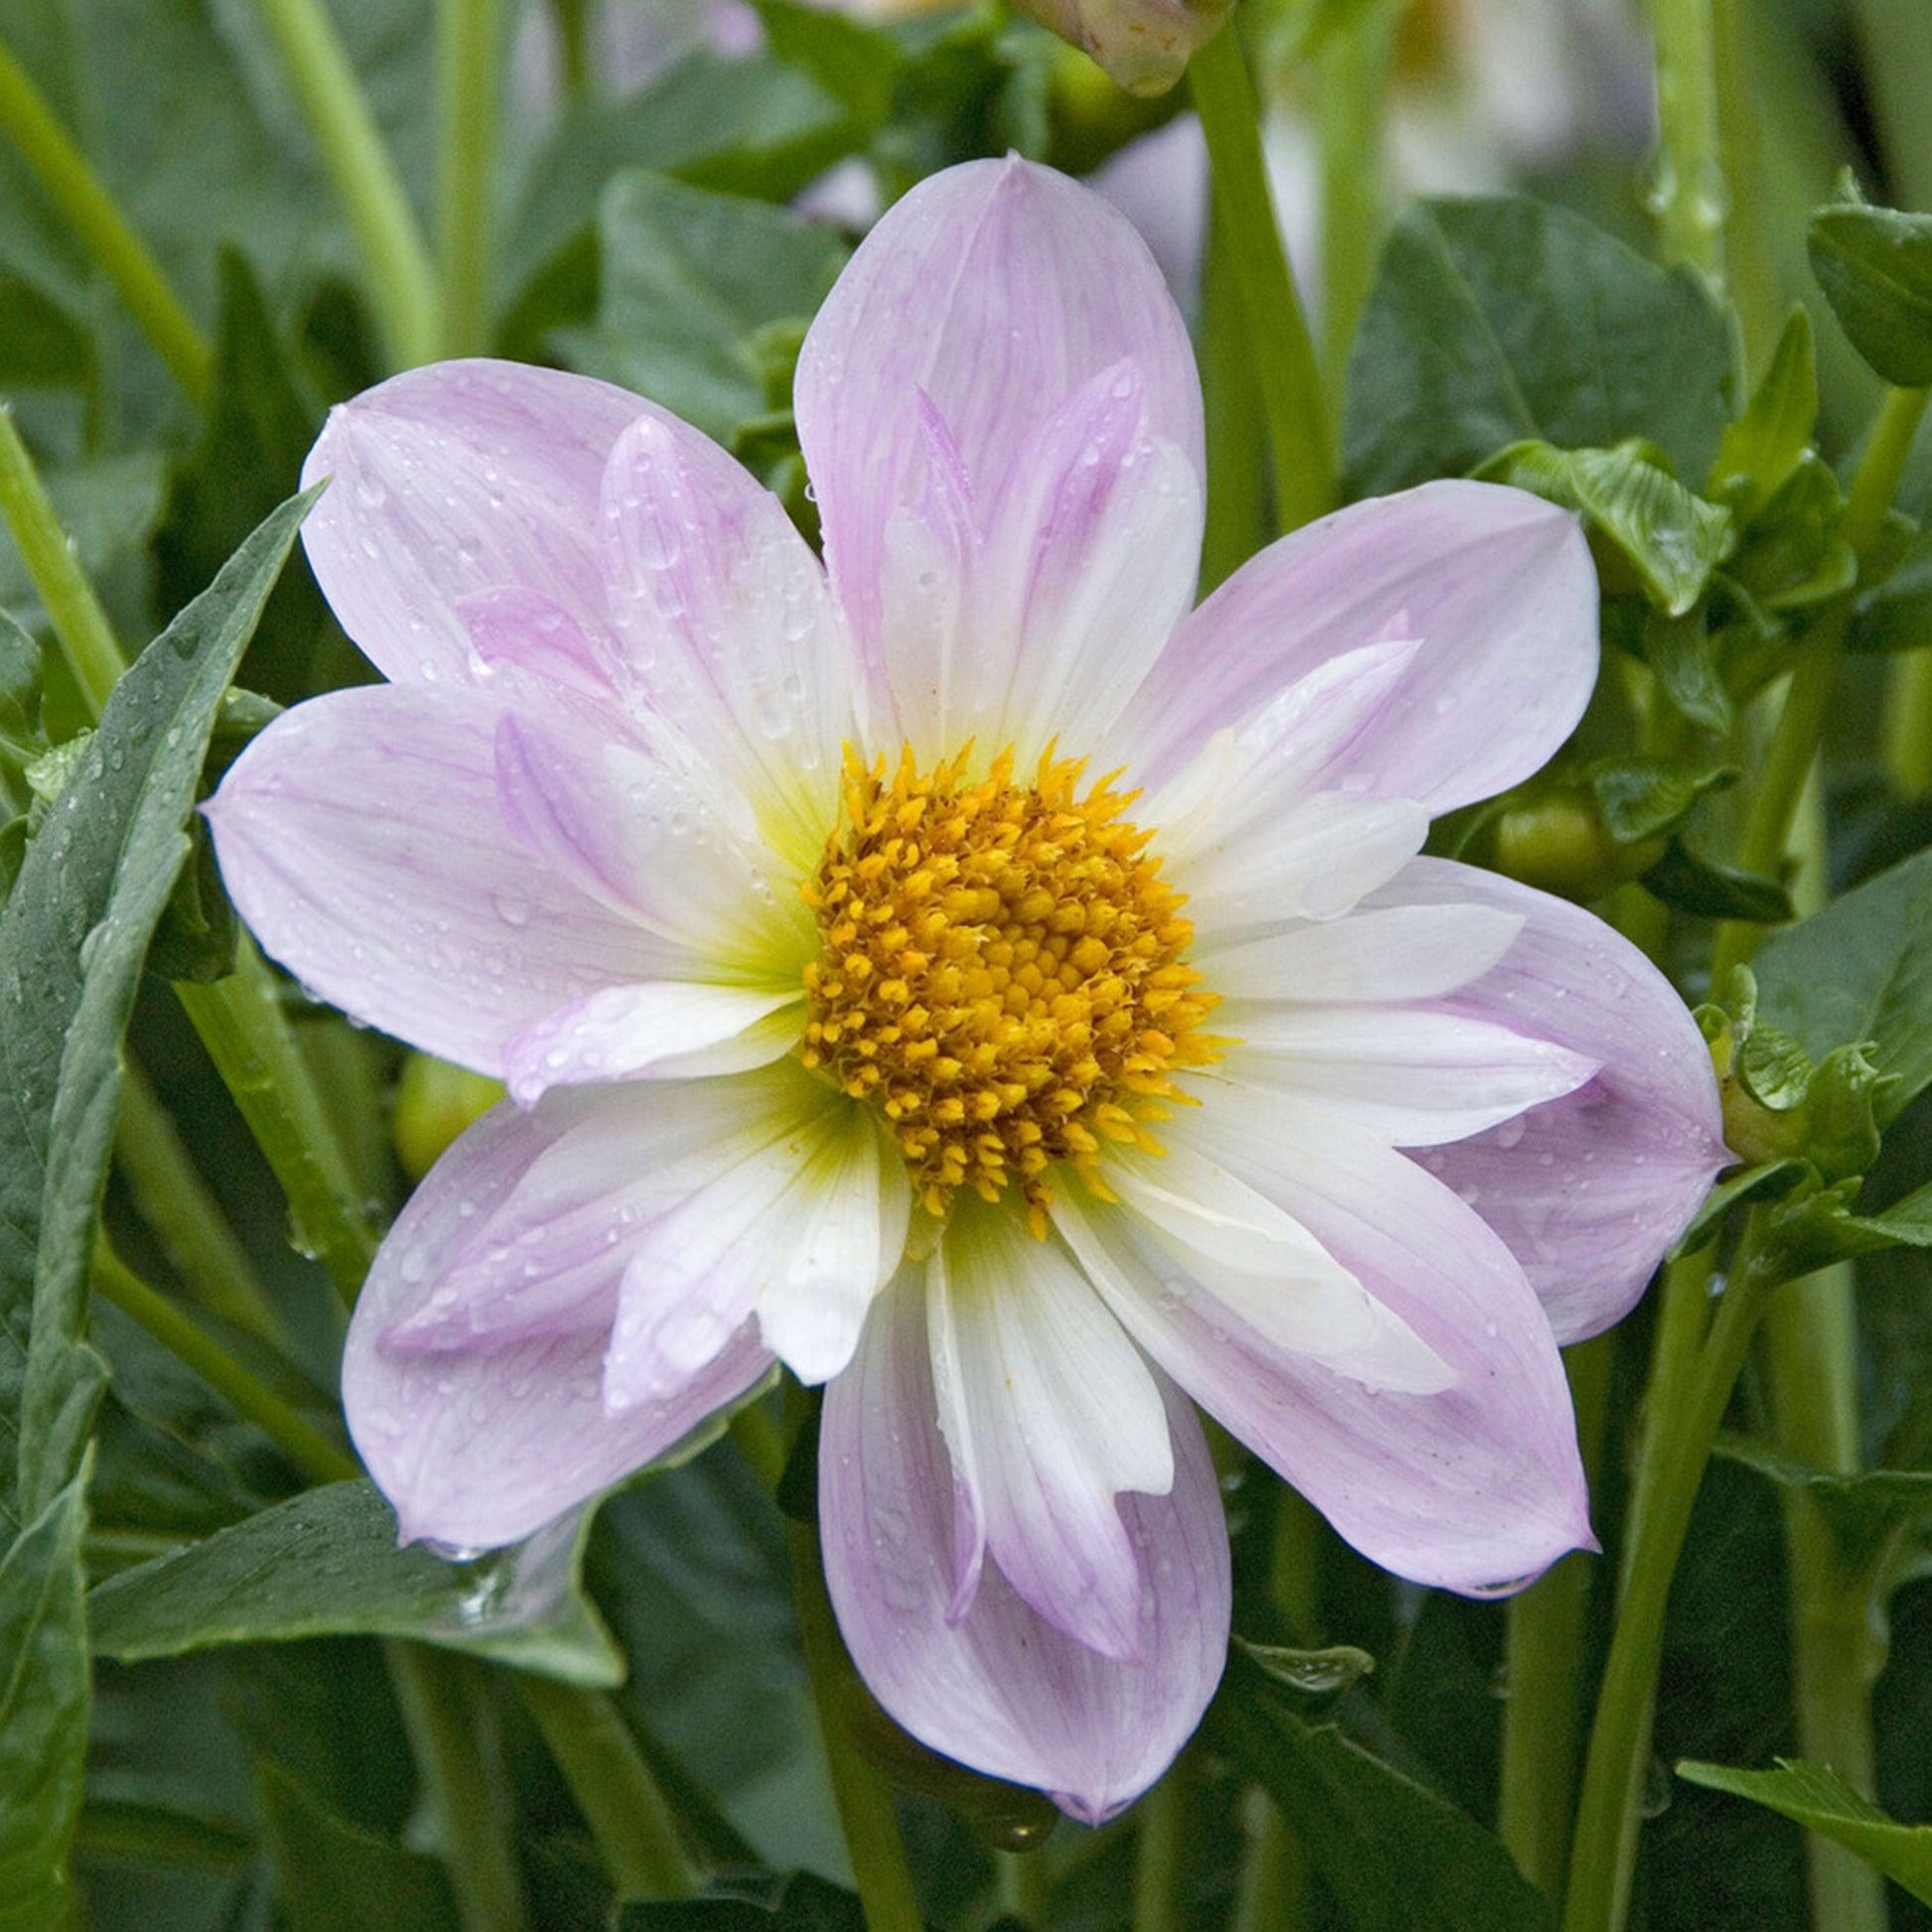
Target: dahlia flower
960, 973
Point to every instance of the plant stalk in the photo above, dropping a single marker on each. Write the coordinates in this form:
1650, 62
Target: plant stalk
469, 34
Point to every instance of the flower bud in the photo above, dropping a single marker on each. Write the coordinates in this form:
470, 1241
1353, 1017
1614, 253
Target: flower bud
435, 1102
1142, 44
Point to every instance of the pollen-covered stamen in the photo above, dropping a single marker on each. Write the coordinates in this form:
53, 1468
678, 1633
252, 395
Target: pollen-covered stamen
1004, 974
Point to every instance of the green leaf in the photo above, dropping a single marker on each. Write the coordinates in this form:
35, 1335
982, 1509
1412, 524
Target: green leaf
1759, 449
1875, 265
332, 1875
1642, 798
1314, 1673
1671, 538
1819, 1799
1896, 614
801, 1902
1683, 653
43, 1699
1865, 1513
754, 127
40, 344
1502, 320
327, 1562
856, 63
1861, 970
1694, 884
1395, 1854
92, 885
691, 279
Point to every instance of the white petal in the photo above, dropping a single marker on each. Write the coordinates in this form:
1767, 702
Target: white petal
1404, 953
1050, 1413
1416, 1079
667, 1029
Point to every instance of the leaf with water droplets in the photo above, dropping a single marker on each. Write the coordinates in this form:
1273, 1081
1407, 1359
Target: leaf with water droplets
1314, 1673
327, 1562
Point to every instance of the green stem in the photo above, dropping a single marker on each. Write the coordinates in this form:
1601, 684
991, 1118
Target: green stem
864, 1798
1907, 726
1285, 372
628, 1814
95, 221
1836, 1644
1160, 1853
467, 45
1273, 1895
573, 40
174, 1201
306, 1445
399, 283
1801, 723
81, 628
1351, 78
465, 1791
246, 1033
1544, 1665
1690, 193
1748, 252
1024, 1888
1895, 37
761, 1441
1690, 1387
1237, 517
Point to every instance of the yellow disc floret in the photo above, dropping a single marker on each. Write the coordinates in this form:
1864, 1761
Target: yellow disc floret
1003, 973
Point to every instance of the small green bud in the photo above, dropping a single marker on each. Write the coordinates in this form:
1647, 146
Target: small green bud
1560, 844
435, 1102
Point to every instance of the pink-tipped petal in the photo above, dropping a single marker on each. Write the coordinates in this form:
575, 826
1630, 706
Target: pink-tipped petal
995, 290
1051, 1414
1058, 594
727, 628
1474, 1489
1000, 1689
665, 1031
1589, 1190
1496, 585
454, 480
361, 838
479, 1443
1413, 1079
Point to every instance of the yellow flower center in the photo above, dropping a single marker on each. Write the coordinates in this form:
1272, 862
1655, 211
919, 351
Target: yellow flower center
1002, 974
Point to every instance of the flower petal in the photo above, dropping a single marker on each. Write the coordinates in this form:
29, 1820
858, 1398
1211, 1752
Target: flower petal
361, 838
991, 292
453, 479
1000, 1689
481, 1444
727, 623
1268, 1272
634, 836
669, 1030
1496, 584
1049, 1412
795, 1216
1085, 562
1589, 1190
1474, 1489
1412, 1078
1402, 953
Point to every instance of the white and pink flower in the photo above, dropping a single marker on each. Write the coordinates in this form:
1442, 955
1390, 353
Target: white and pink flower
963, 975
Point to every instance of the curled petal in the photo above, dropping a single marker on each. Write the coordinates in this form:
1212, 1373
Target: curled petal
1496, 584
1000, 1688
1590, 1190
455, 480
1049, 1412
361, 839
481, 1440
990, 293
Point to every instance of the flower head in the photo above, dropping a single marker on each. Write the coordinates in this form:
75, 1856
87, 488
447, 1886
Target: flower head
961, 974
